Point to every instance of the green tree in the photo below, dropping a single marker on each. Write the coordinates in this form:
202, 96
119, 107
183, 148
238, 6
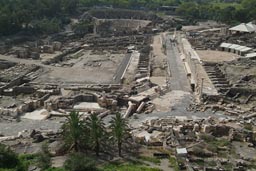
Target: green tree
119, 130
47, 25
227, 14
79, 162
250, 8
189, 10
70, 6
74, 132
96, 132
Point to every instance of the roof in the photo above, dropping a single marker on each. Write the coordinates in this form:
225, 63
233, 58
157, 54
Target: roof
181, 151
245, 49
210, 30
250, 24
234, 46
225, 45
250, 55
243, 28
240, 47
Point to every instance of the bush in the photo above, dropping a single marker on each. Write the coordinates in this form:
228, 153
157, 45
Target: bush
207, 138
178, 27
174, 163
8, 159
248, 127
44, 157
55, 169
79, 162
25, 160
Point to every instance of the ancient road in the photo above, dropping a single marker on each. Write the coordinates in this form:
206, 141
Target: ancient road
122, 68
178, 80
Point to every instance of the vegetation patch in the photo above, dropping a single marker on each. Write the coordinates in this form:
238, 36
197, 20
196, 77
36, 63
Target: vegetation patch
55, 169
150, 159
174, 163
228, 166
127, 167
214, 143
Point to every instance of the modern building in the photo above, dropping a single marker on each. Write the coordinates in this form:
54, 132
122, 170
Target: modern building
244, 28
235, 48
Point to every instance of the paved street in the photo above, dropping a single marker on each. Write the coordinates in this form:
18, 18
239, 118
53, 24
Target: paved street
122, 68
178, 83
178, 80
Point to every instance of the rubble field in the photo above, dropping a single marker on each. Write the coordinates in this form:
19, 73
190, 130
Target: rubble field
190, 103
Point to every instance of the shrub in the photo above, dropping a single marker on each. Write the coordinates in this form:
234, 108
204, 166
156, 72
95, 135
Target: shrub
44, 157
55, 169
79, 162
8, 159
178, 27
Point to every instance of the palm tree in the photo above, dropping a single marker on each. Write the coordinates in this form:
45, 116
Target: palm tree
74, 131
119, 130
96, 132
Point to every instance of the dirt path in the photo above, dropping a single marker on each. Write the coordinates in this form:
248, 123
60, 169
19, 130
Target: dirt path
159, 58
159, 61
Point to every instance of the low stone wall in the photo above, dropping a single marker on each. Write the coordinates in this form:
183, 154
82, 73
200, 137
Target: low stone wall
85, 98
60, 57
6, 64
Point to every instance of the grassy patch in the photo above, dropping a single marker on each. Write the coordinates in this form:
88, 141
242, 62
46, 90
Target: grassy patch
248, 126
212, 163
170, 152
150, 159
220, 142
213, 143
252, 166
160, 14
223, 154
200, 163
174, 163
126, 167
228, 166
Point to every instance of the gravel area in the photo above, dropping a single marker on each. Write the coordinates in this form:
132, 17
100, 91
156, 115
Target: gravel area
13, 128
179, 111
